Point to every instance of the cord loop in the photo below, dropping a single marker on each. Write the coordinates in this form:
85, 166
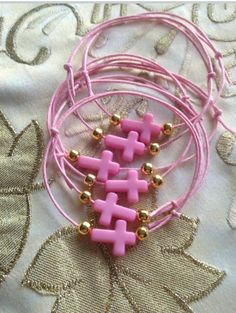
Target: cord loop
218, 113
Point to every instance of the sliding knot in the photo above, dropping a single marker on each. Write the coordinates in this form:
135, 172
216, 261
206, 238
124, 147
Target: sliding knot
68, 67
218, 113
174, 211
211, 75
218, 55
54, 131
185, 98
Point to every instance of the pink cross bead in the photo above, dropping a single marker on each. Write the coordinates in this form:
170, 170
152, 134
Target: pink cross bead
104, 166
146, 128
110, 209
119, 237
132, 186
130, 145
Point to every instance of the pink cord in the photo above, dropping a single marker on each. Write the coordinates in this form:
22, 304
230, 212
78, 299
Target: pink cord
104, 70
201, 163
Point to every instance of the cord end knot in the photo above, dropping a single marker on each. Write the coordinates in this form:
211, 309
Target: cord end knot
185, 98
54, 131
175, 209
218, 113
218, 55
84, 72
68, 67
211, 75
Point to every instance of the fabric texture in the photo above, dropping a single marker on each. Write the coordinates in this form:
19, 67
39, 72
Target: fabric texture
32, 54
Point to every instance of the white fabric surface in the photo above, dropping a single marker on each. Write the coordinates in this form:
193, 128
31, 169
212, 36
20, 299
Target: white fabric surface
25, 91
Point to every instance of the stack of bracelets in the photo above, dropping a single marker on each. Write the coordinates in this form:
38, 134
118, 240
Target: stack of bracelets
116, 224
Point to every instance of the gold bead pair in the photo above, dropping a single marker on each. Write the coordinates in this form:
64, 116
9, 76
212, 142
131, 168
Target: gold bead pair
142, 231
167, 130
98, 135
115, 120
86, 196
156, 180
154, 148
84, 229
98, 132
90, 179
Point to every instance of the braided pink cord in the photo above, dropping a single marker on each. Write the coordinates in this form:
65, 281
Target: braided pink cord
97, 73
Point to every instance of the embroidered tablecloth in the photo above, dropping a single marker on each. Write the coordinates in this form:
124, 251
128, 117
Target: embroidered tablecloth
188, 266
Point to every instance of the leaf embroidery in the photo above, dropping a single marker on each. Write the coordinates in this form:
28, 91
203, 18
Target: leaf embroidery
211, 13
20, 159
225, 149
156, 276
232, 213
35, 15
229, 59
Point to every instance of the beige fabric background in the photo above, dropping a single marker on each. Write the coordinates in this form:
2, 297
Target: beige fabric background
27, 83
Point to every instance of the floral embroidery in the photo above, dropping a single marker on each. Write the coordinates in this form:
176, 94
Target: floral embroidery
225, 147
20, 159
156, 276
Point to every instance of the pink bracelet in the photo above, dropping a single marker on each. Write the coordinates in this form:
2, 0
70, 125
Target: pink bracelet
161, 17
93, 73
200, 166
175, 99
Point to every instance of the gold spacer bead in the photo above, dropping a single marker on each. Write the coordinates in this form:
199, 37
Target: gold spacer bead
154, 148
143, 216
97, 134
168, 129
85, 197
142, 233
115, 119
84, 228
156, 181
73, 155
147, 168
90, 180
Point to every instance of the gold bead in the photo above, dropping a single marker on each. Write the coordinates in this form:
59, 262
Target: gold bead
143, 216
156, 181
84, 228
147, 168
85, 197
167, 129
115, 119
73, 155
97, 134
90, 180
154, 148
142, 233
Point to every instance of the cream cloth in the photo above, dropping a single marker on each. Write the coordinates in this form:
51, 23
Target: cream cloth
28, 80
